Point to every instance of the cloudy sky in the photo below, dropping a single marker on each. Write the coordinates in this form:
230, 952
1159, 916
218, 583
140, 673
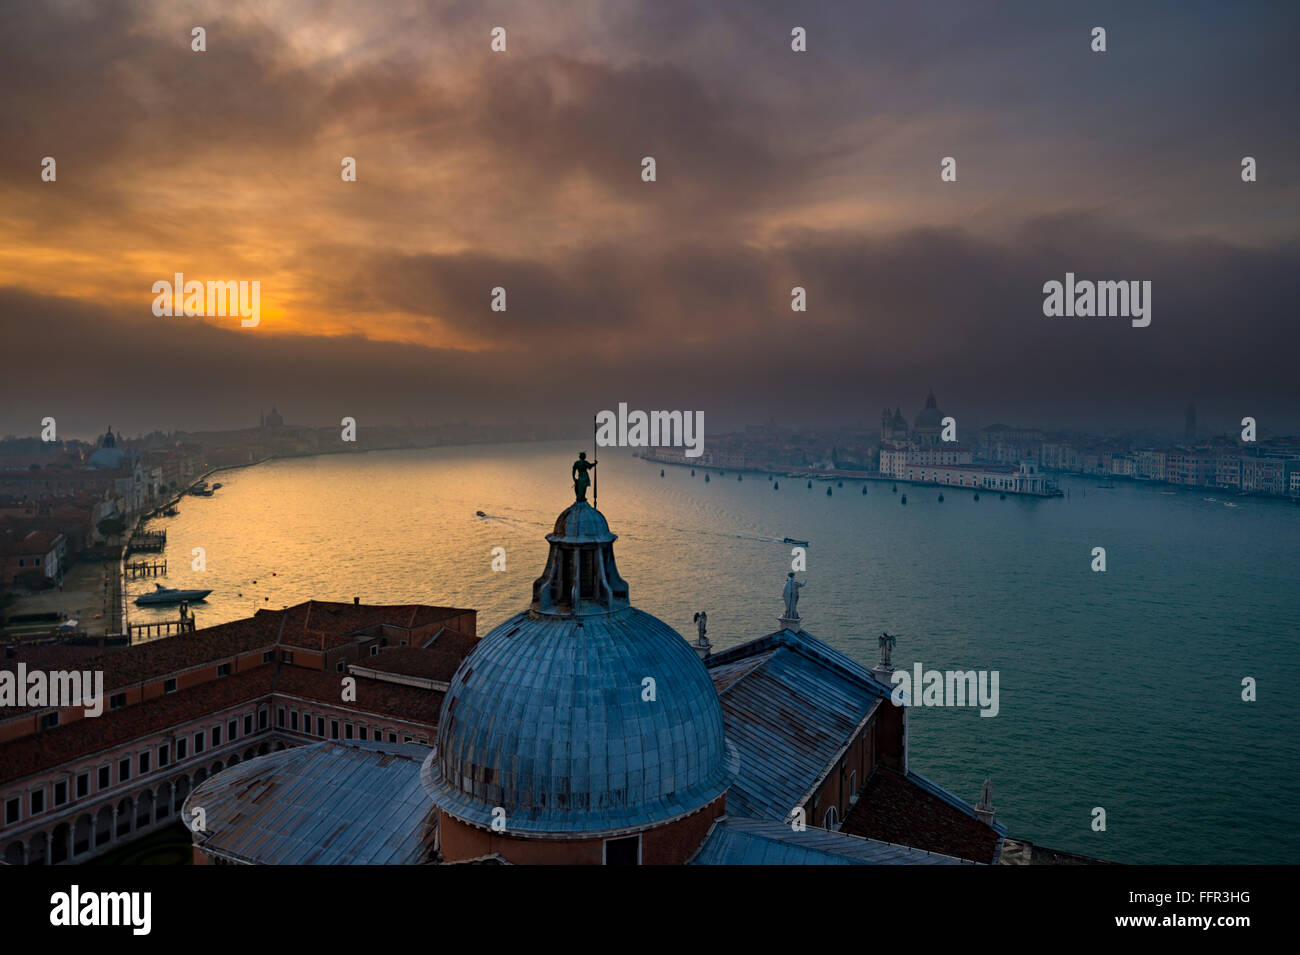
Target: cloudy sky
522, 169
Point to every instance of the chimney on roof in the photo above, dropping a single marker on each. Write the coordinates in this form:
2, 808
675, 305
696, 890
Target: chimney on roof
356, 601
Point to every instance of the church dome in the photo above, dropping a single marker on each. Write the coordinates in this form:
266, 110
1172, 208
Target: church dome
108, 456
554, 719
930, 418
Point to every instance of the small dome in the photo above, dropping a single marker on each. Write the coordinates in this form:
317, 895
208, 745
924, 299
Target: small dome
581, 523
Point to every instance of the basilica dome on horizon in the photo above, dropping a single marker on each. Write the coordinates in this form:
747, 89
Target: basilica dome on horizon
108, 456
930, 418
581, 715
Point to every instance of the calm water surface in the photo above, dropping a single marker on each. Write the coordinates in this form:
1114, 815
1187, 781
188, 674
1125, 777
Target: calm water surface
1120, 690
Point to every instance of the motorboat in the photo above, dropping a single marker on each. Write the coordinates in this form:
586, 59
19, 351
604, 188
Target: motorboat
170, 595
791, 540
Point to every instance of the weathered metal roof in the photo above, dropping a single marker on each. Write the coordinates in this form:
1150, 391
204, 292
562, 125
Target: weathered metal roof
735, 841
789, 704
546, 720
328, 803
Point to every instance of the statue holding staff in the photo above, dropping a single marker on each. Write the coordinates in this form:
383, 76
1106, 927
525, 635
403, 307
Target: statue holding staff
581, 480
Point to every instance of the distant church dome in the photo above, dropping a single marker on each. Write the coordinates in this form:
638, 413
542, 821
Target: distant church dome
547, 719
108, 456
930, 418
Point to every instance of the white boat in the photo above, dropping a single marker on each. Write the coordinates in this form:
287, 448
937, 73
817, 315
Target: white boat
169, 595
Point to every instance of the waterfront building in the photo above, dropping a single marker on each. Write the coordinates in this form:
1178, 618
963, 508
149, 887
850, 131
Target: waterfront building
1149, 465
1059, 456
919, 455
1267, 474
181, 709
1008, 445
1025, 478
585, 731
1191, 467
38, 554
1227, 470
896, 461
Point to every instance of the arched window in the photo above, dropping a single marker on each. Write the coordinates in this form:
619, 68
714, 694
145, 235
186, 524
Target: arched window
832, 818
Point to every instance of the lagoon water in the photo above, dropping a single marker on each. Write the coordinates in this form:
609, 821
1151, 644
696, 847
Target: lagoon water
1120, 690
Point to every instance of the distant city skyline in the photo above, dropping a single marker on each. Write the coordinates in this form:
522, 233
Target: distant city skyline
1171, 426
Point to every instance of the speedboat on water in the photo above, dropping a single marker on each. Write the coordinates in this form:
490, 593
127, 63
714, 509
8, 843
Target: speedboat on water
791, 540
170, 595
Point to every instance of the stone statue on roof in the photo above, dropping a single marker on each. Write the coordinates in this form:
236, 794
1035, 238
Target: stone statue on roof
886, 642
581, 481
791, 596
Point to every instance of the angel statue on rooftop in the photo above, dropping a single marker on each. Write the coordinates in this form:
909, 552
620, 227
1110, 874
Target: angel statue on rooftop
581, 481
886, 642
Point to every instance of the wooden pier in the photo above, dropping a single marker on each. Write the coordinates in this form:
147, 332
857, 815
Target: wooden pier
145, 568
147, 541
115, 609
164, 628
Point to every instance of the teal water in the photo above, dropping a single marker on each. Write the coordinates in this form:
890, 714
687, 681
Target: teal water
1119, 690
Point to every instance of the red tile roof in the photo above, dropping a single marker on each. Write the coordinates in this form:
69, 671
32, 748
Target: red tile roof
85, 737
410, 703
321, 624
432, 664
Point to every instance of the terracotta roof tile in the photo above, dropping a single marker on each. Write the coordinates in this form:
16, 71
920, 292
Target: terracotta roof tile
85, 737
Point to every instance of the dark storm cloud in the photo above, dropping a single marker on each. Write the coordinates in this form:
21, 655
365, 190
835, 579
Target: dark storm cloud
523, 171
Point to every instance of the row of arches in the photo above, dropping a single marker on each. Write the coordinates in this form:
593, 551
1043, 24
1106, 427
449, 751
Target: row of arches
119, 820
